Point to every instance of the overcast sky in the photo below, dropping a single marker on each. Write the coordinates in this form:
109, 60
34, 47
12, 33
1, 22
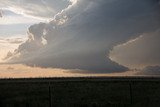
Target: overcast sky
96, 36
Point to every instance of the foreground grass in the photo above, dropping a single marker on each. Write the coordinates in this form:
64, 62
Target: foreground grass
73, 92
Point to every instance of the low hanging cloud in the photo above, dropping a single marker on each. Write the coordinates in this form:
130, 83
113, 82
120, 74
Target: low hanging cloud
12, 40
150, 70
15, 41
9, 44
140, 52
82, 35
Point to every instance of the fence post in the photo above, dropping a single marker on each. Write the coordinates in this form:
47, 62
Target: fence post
130, 88
50, 96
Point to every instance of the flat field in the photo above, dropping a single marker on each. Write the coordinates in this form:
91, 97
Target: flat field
81, 92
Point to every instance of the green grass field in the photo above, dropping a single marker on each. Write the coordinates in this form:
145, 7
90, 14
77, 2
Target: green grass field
81, 92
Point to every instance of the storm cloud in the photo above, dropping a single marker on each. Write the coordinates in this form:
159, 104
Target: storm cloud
82, 35
140, 52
